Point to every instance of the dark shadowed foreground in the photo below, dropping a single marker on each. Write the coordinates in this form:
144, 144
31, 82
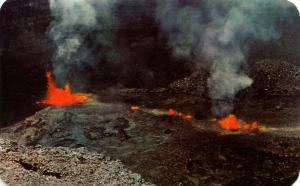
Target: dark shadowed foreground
61, 166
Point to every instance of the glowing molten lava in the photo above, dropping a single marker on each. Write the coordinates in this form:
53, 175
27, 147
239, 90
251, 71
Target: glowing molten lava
171, 112
231, 122
254, 125
134, 107
188, 116
62, 96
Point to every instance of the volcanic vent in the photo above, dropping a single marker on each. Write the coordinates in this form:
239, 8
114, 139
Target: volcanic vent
178, 92
62, 96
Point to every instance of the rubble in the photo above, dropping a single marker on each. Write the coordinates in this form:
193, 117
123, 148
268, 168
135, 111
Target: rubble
271, 77
275, 78
20, 165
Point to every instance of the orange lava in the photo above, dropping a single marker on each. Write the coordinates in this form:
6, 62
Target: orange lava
246, 127
174, 113
171, 112
231, 122
188, 116
254, 125
134, 107
62, 96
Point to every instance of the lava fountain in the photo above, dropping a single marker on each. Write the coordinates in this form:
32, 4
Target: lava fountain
231, 122
62, 96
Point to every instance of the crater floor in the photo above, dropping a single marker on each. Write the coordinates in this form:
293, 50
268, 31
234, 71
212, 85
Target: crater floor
165, 150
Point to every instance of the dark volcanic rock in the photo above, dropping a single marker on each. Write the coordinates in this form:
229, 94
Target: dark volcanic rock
21, 165
276, 87
25, 53
195, 84
275, 78
271, 78
275, 91
164, 150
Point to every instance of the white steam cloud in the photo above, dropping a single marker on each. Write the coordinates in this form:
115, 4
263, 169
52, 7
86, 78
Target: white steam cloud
216, 34
74, 21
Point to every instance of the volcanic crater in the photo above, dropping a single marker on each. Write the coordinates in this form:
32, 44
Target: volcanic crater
147, 119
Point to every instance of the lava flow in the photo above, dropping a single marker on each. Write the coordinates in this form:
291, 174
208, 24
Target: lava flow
231, 122
160, 112
134, 107
172, 112
62, 96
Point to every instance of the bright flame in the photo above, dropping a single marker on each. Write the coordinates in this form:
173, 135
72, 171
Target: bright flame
171, 112
254, 125
62, 96
231, 122
134, 107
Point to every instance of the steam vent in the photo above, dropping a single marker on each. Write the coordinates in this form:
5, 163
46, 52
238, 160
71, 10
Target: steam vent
152, 92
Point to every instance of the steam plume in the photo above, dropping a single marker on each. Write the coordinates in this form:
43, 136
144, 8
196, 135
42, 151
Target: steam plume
216, 34
73, 22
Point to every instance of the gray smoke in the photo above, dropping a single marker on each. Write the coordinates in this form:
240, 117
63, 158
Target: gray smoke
74, 21
216, 34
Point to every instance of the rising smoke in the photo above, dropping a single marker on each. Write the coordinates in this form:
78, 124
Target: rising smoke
216, 34
75, 22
